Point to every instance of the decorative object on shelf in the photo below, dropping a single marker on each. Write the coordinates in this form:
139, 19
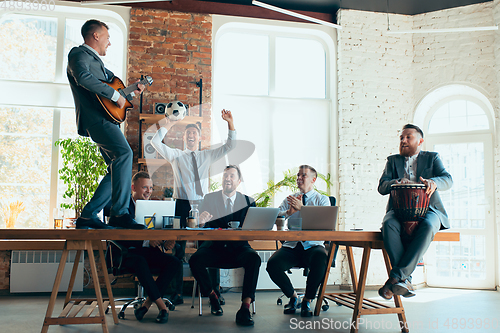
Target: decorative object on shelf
168, 192
10, 213
83, 165
289, 181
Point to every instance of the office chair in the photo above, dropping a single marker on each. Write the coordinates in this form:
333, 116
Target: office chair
305, 272
115, 256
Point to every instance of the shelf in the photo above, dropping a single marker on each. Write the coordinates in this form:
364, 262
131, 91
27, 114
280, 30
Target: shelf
154, 118
152, 161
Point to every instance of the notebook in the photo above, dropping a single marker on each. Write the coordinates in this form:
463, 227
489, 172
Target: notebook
150, 207
319, 217
260, 218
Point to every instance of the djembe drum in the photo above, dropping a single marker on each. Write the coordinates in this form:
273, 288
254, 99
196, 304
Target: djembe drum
410, 204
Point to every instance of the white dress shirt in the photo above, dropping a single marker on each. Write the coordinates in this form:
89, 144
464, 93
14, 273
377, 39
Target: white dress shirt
411, 167
313, 198
182, 164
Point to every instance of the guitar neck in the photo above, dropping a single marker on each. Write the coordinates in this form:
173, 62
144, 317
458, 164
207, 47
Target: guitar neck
133, 87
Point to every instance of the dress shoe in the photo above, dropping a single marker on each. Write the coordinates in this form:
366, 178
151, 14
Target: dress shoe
176, 299
125, 221
162, 317
244, 317
222, 301
140, 312
386, 290
92, 223
292, 305
305, 309
215, 307
404, 288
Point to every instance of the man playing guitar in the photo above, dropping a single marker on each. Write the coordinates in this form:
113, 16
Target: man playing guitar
87, 76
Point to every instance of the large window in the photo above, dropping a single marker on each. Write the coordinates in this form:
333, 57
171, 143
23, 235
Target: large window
37, 108
460, 129
277, 81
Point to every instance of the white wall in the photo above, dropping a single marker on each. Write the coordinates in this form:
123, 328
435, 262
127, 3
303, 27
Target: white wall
381, 79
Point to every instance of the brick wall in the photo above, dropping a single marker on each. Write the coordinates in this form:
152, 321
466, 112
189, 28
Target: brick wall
175, 49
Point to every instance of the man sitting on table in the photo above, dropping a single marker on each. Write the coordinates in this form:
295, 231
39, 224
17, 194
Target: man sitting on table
409, 166
310, 254
218, 209
145, 256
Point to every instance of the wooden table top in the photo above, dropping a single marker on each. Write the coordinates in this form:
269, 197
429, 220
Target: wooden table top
201, 234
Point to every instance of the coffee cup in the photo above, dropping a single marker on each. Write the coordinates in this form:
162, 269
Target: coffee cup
280, 223
234, 224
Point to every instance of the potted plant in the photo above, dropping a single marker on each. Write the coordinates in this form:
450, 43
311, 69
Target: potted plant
82, 168
289, 181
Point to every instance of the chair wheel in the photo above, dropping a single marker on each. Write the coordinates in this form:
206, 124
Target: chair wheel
279, 301
171, 307
325, 307
121, 315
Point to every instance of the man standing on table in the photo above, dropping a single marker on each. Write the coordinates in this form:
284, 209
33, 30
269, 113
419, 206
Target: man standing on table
218, 209
190, 167
86, 74
310, 254
411, 165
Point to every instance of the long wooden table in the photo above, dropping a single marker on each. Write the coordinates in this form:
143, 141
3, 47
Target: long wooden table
87, 240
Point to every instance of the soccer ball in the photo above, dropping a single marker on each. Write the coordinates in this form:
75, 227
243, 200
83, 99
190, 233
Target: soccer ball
176, 110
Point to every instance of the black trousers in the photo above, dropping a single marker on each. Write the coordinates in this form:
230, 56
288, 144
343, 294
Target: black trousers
315, 258
146, 261
116, 183
226, 257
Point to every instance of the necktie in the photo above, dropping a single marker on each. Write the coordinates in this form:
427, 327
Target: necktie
199, 191
303, 199
228, 207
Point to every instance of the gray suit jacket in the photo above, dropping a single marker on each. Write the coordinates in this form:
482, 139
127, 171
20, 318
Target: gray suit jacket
85, 72
429, 166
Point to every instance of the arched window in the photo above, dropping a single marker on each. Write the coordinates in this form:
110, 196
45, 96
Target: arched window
458, 122
37, 107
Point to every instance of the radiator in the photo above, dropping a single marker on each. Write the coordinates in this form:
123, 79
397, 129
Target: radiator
35, 271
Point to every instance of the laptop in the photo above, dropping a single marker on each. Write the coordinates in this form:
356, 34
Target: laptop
319, 217
260, 218
158, 208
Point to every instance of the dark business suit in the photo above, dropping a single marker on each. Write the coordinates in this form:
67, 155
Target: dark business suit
85, 72
144, 262
404, 256
226, 254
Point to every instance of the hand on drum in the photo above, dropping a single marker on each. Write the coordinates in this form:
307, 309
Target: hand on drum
430, 186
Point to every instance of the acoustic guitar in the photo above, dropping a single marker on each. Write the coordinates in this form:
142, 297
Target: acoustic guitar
114, 112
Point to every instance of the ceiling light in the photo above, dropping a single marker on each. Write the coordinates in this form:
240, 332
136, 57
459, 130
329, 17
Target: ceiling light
114, 2
294, 14
430, 31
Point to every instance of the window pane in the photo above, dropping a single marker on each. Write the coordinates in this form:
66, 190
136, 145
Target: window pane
242, 64
458, 116
300, 68
25, 142
28, 47
114, 55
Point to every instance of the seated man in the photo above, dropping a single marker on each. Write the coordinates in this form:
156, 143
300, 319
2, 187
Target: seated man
218, 209
310, 254
144, 257
409, 166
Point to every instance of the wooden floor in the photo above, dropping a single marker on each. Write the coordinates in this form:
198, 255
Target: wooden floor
432, 310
